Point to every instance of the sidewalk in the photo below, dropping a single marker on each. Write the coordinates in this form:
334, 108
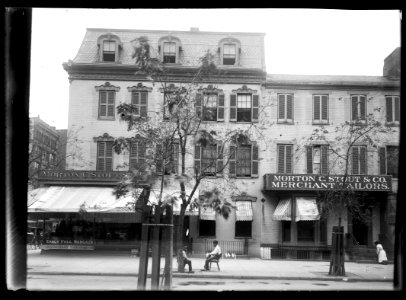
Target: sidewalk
120, 264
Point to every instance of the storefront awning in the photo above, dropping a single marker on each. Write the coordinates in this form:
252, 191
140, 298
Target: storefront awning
244, 211
306, 209
77, 199
207, 213
283, 211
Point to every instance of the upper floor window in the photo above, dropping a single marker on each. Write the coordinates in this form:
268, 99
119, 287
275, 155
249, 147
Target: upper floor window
104, 156
392, 109
210, 105
109, 46
107, 101
244, 161
229, 54
229, 51
244, 105
389, 161
140, 102
359, 160
320, 109
358, 107
285, 158
317, 159
285, 108
167, 158
208, 159
137, 155
169, 48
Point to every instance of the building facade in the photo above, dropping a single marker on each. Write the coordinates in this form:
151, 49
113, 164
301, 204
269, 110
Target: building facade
279, 111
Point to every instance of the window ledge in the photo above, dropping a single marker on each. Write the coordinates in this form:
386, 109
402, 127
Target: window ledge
106, 118
243, 237
394, 124
285, 122
320, 122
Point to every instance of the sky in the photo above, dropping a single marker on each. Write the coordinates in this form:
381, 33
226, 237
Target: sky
297, 41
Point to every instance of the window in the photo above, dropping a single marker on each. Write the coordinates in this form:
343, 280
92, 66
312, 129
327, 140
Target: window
109, 51
317, 159
358, 108
137, 155
106, 104
243, 228
229, 54
305, 231
168, 98
208, 159
285, 158
359, 160
171, 158
320, 109
392, 109
210, 107
244, 107
169, 52
389, 161
286, 231
207, 228
285, 108
104, 156
243, 161
139, 100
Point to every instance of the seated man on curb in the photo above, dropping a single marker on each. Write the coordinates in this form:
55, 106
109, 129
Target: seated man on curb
212, 255
186, 260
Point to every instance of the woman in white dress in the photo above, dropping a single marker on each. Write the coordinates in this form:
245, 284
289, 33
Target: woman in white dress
382, 259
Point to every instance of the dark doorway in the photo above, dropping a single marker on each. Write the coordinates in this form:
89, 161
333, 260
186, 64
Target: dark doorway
360, 231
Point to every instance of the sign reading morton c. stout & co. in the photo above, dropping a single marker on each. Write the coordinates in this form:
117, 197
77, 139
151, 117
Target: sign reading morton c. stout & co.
327, 182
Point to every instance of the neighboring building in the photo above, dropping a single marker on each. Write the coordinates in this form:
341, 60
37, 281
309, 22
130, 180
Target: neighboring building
285, 107
43, 143
62, 144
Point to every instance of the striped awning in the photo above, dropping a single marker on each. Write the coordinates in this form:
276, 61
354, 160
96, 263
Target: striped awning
207, 213
283, 210
244, 211
306, 209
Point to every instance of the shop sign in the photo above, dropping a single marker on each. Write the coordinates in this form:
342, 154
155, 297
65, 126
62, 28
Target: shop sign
68, 244
327, 182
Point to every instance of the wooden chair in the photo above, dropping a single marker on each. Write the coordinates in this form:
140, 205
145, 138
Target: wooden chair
216, 260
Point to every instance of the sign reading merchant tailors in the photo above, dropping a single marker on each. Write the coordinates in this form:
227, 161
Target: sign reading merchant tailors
327, 182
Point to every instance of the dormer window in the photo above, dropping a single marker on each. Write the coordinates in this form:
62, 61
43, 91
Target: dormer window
109, 48
169, 48
169, 52
229, 54
109, 51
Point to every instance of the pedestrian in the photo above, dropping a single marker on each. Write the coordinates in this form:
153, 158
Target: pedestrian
186, 260
382, 259
215, 254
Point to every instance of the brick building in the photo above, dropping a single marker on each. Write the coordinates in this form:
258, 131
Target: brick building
284, 109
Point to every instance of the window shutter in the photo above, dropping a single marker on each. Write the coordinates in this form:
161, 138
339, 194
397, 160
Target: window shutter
355, 159
110, 107
133, 156
288, 159
109, 156
198, 105
316, 106
363, 107
144, 104
354, 108
309, 159
363, 160
289, 107
158, 158
219, 159
100, 156
232, 162
389, 113
103, 104
324, 159
141, 155
281, 106
397, 109
175, 153
220, 108
254, 161
324, 108
281, 158
255, 108
233, 108
382, 160
197, 160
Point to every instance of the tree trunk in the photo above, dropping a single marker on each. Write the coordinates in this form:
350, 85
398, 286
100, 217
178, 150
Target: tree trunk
337, 252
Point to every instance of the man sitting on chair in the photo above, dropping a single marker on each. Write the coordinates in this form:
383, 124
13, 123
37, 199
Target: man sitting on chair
216, 253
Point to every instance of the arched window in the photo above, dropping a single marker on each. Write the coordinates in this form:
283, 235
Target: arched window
169, 48
229, 51
109, 48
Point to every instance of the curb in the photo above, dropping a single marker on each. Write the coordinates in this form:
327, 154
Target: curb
187, 275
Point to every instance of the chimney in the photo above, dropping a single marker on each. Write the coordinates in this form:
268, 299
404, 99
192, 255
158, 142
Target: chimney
194, 29
391, 65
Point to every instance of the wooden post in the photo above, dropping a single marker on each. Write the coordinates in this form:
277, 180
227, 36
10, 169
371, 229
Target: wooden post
156, 253
143, 263
169, 250
337, 252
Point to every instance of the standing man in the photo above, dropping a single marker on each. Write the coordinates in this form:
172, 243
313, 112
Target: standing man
216, 253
